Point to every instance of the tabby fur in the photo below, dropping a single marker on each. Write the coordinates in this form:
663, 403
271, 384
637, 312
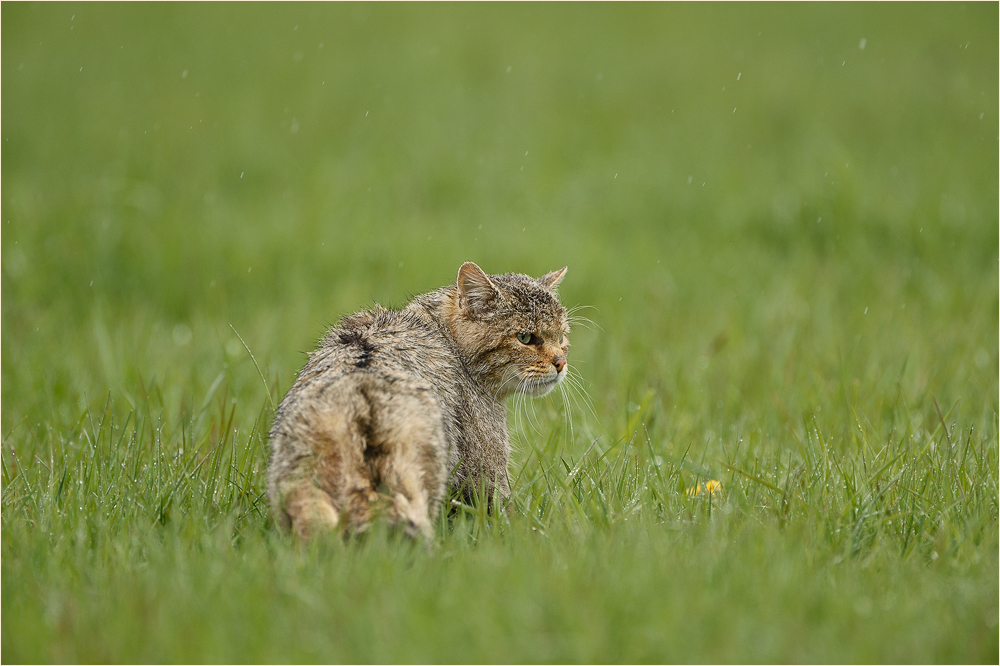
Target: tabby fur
395, 405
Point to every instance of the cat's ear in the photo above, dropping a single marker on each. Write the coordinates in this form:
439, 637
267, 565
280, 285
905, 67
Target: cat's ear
474, 286
551, 280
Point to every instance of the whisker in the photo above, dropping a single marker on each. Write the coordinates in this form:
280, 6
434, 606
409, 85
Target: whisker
511, 369
533, 418
576, 383
570, 399
528, 405
585, 397
567, 409
519, 398
585, 322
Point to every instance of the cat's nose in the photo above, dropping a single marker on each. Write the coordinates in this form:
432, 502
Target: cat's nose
559, 362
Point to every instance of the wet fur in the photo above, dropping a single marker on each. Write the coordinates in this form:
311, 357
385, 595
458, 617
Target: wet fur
395, 405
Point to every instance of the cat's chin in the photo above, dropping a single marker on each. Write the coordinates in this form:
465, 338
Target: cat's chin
543, 385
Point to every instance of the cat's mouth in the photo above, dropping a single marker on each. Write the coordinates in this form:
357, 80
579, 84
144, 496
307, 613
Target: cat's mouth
539, 386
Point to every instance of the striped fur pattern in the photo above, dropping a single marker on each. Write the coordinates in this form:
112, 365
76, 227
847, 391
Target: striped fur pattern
395, 405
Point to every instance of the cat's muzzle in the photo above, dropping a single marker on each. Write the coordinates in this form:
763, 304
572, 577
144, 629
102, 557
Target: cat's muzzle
539, 386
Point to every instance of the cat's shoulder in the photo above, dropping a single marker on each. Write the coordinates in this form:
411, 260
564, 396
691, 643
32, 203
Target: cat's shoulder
381, 326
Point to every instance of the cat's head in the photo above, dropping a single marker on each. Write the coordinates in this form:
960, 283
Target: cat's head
511, 328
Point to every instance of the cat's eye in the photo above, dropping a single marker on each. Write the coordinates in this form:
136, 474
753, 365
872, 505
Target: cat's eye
524, 338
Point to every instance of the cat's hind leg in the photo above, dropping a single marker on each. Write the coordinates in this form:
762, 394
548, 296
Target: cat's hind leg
309, 510
408, 451
319, 479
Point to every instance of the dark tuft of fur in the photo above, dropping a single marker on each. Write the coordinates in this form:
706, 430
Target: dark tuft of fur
349, 337
354, 338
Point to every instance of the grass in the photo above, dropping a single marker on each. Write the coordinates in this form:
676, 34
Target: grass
784, 220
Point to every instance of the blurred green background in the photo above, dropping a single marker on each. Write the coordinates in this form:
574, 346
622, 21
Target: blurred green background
709, 170
783, 216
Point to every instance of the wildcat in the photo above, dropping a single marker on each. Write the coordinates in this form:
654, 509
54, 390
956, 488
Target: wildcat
396, 404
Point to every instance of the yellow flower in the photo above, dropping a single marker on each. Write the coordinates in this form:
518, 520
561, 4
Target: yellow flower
710, 487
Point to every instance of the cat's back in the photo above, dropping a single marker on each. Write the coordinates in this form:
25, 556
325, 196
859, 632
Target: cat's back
365, 407
375, 365
397, 346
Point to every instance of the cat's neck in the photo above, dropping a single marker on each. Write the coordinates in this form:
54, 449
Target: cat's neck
441, 307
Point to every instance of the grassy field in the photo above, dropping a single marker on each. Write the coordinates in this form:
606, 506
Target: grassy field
784, 219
